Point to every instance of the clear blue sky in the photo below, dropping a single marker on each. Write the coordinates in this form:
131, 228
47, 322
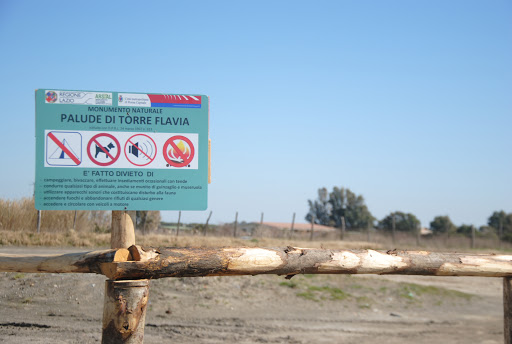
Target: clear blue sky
408, 103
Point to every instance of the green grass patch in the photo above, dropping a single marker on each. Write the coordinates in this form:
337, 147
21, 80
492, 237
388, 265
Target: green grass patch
289, 284
18, 276
332, 292
308, 295
412, 291
364, 302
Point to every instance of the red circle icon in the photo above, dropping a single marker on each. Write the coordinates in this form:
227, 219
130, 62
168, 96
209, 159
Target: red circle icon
103, 145
140, 150
178, 151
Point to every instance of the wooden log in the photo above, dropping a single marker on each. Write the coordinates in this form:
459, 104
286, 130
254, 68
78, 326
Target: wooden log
124, 309
124, 312
123, 233
84, 262
194, 262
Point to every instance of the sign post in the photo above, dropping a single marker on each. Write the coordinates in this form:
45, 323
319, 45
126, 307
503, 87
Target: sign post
121, 152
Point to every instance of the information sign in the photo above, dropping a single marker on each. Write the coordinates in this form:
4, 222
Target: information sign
121, 151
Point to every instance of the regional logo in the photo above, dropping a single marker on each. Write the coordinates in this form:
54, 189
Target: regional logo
51, 97
120, 98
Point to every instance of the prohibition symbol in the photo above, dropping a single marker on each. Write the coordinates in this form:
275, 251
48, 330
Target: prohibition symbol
103, 149
140, 150
63, 148
178, 151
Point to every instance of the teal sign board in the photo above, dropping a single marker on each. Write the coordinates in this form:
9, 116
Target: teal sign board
121, 151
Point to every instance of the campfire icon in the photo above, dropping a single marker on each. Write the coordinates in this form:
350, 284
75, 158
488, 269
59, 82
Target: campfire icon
180, 152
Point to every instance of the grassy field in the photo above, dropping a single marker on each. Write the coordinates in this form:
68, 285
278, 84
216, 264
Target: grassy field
90, 240
18, 227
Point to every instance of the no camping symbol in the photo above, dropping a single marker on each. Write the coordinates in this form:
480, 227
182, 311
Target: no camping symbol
178, 151
103, 149
63, 148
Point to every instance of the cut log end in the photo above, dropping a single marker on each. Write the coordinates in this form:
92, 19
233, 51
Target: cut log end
122, 255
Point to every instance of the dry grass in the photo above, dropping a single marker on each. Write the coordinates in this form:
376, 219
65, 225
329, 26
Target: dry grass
18, 222
21, 216
94, 240
102, 240
201, 241
69, 238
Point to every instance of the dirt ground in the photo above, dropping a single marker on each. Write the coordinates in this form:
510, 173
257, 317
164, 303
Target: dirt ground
67, 308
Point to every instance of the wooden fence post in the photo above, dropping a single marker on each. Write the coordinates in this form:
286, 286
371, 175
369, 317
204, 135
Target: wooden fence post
236, 223
312, 227
472, 236
507, 309
342, 236
124, 310
178, 227
293, 225
39, 221
500, 234
206, 224
393, 225
74, 221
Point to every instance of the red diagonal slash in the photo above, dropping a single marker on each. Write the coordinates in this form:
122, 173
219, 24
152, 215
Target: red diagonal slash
178, 151
64, 148
140, 150
103, 149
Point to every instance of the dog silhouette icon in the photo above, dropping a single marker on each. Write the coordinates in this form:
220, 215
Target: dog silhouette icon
102, 150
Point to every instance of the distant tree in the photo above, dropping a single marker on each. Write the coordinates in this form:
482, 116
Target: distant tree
101, 220
403, 222
442, 224
465, 229
488, 232
501, 221
345, 203
320, 209
329, 208
147, 221
497, 219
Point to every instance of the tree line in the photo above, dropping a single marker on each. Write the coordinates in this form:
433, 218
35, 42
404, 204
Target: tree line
342, 205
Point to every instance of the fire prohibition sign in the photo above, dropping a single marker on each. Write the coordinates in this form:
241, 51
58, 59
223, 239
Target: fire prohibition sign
178, 151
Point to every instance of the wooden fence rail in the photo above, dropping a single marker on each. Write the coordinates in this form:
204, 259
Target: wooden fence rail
136, 264
140, 263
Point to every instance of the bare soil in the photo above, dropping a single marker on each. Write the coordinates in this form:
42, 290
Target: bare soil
67, 308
